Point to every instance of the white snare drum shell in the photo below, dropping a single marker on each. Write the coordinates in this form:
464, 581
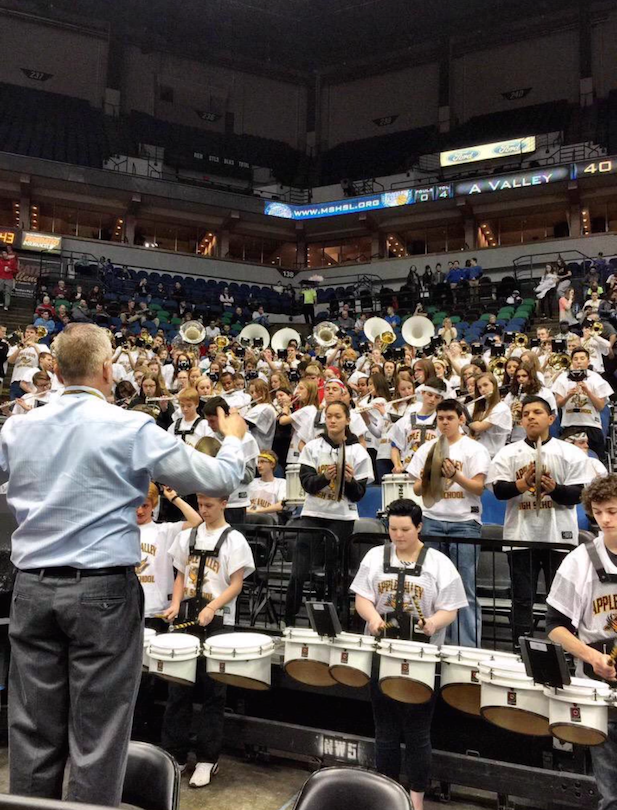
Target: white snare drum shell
510, 699
149, 635
351, 659
295, 494
307, 657
240, 659
407, 670
578, 712
173, 657
396, 486
460, 676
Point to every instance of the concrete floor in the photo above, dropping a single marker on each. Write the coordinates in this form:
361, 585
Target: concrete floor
244, 785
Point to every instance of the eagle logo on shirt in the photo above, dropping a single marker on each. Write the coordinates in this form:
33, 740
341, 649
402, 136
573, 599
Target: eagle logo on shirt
139, 569
611, 622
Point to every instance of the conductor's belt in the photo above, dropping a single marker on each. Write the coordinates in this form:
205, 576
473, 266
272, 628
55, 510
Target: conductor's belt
68, 572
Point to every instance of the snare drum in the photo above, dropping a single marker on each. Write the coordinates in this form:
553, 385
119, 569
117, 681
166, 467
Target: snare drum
396, 486
149, 634
578, 712
407, 670
351, 658
173, 657
510, 699
460, 676
295, 494
307, 657
240, 659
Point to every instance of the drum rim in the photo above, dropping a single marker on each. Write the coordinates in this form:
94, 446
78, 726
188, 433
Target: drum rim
220, 677
579, 726
323, 665
515, 710
352, 669
407, 679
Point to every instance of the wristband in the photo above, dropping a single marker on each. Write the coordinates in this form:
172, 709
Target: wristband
175, 498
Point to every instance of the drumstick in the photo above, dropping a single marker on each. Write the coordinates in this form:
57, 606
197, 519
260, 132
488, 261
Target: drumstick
182, 626
416, 603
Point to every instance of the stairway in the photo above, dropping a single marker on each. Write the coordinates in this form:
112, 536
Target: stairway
19, 316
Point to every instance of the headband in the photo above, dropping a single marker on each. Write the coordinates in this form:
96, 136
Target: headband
336, 381
430, 390
267, 456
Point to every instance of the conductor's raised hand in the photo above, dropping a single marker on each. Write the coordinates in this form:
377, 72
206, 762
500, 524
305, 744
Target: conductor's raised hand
232, 425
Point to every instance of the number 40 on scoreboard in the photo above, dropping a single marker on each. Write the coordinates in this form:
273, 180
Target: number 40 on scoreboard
593, 167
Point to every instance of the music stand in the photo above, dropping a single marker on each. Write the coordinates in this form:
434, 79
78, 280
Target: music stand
545, 662
476, 349
559, 345
498, 350
323, 618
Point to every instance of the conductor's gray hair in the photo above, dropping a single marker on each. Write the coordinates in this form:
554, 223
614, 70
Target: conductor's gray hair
81, 349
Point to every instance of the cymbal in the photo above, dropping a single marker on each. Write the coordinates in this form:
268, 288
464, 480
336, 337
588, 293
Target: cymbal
208, 445
432, 479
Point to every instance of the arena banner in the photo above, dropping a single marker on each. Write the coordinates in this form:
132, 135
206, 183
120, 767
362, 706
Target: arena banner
507, 182
488, 151
358, 205
30, 240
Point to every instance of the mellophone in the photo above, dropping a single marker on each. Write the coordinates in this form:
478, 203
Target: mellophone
484, 683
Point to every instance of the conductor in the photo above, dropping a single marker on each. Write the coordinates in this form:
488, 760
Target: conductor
76, 623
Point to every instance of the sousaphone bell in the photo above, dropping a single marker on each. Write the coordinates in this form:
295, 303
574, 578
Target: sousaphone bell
379, 329
418, 331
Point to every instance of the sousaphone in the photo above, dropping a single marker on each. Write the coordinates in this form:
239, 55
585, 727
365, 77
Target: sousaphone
418, 331
432, 480
253, 333
282, 339
379, 328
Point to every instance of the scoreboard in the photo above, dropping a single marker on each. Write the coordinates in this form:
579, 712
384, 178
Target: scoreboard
594, 168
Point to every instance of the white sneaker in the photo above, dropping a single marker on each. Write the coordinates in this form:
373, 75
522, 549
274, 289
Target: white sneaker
203, 773
182, 768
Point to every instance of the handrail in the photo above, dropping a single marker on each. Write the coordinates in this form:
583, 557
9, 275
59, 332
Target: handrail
530, 259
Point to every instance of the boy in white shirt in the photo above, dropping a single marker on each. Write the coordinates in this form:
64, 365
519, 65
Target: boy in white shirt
212, 562
582, 400
418, 425
581, 616
191, 427
267, 493
512, 476
459, 513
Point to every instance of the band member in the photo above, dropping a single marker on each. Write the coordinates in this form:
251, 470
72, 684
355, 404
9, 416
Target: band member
582, 394
430, 576
597, 346
307, 400
580, 440
210, 588
238, 501
191, 427
491, 421
418, 425
334, 391
335, 470
261, 416
378, 388
267, 493
512, 475
41, 395
22, 357
525, 384
234, 398
385, 417
581, 616
459, 513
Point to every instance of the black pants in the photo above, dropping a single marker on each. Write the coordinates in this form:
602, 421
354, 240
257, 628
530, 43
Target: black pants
309, 553
177, 722
308, 310
525, 567
546, 304
235, 516
597, 442
397, 722
145, 712
76, 659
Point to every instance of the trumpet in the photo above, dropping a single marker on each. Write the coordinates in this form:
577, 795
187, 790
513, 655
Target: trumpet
516, 408
598, 327
41, 332
222, 342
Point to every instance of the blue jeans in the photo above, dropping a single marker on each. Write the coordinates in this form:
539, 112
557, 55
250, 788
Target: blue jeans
16, 391
604, 759
466, 631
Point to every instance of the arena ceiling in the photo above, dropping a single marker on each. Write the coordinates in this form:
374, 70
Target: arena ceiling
305, 36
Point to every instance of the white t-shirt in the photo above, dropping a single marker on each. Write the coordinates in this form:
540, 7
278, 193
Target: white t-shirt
263, 417
27, 378
236, 399
501, 426
235, 554
555, 523
457, 505
578, 410
156, 571
578, 594
381, 427
408, 438
598, 470
598, 347
301, 428
201, 430
319, 454
267, 493
439, 586
28, 359
518, 432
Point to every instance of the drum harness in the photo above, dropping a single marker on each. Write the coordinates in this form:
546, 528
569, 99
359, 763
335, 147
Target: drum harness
406, 628
184, 433
195, 604
605, 646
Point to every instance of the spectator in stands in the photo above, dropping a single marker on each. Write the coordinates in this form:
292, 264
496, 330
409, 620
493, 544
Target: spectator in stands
185, 308
545, 292
260, 317
392, 318
601, 266
473, 273
78, 294
100, 315
447, 332
142, 289
309, 299
345, 319
80, 312
360, 321
564, 274
566, 302
8, 271
46, 321
61, 290
45, 306
239, 316
212, 330
438, 275
178, 293
593, 302
492, 327
227, 300
95, 296
514, 299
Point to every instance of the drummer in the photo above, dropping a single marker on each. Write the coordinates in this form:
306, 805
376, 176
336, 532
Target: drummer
212, 603
432, 578
190, 427
581, 616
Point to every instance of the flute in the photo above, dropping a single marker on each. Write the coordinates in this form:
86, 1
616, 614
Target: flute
381, 401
